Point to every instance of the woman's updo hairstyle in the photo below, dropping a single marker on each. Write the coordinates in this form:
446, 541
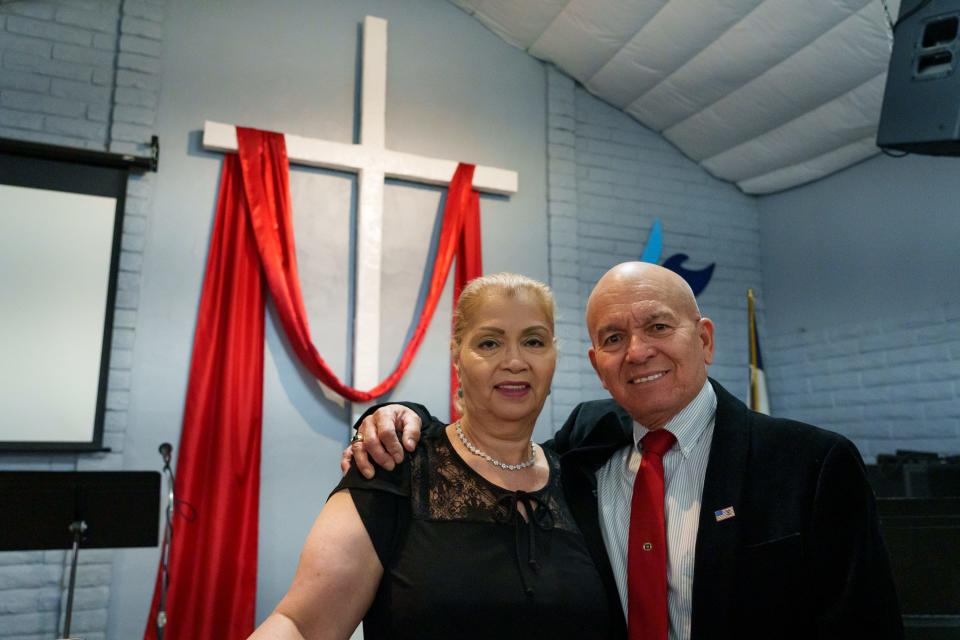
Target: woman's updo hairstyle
508, 285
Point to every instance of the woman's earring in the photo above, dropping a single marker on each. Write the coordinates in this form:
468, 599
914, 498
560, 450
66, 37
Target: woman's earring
459, 391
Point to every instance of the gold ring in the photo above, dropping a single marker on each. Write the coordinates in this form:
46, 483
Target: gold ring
357, 437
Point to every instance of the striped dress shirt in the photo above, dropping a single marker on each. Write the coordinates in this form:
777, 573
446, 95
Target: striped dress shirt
684, 468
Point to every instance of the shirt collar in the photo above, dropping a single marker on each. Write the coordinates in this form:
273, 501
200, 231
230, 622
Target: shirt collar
688, 425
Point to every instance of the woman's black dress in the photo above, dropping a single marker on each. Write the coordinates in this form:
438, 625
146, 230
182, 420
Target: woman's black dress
460, 561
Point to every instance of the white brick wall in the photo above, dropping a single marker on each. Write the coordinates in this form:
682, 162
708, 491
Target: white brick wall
564, 239
81, 73
609, 178
886, 384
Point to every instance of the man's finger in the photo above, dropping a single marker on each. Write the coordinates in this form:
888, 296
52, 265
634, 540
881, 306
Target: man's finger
371, 442
411, 430
345, 460
361, 460
387, 434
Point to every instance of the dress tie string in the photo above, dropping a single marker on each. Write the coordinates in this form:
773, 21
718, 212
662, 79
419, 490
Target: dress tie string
538, 516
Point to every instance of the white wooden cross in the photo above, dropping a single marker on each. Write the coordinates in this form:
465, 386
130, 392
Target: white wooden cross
372, 162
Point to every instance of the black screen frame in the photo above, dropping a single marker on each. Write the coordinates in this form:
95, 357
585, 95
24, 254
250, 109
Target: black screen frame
71, 170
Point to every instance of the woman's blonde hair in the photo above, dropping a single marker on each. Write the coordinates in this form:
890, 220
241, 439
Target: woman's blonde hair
508, 285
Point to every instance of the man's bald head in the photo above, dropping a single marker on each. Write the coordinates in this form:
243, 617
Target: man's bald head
644, 278
650, 345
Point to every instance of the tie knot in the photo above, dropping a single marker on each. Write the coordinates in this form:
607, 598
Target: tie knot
658, 442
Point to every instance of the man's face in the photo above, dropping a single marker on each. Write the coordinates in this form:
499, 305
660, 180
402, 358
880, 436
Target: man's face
650, 348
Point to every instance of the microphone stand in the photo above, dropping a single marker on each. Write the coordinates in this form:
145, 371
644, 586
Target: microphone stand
77, 528
161, 622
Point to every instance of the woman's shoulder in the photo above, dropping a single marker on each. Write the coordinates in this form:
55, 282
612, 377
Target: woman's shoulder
395, 481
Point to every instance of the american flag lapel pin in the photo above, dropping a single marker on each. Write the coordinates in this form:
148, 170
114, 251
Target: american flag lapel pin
724, 514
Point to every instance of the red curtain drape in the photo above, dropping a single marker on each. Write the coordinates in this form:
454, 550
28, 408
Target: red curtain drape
469, 266
213, 559
213, 565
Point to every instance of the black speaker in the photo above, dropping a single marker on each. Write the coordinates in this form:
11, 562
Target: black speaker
921, 103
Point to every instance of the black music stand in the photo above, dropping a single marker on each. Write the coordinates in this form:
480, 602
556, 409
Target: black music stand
70, 509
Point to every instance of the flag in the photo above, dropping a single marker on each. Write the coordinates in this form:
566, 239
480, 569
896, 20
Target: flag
724, 514
758, 382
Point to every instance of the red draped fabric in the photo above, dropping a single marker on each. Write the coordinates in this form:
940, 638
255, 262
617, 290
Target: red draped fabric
213, 559
469, 266
213, 564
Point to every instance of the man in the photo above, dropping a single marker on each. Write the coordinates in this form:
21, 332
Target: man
770, 526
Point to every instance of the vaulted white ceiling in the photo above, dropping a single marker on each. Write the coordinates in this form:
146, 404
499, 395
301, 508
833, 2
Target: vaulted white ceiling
768, 94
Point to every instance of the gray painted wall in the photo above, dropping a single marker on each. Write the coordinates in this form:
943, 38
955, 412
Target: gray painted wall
863, 313
874, 241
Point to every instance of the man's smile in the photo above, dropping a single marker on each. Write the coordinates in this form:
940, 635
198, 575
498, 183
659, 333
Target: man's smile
647, 378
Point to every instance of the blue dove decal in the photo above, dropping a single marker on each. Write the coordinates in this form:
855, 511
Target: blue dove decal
697, 279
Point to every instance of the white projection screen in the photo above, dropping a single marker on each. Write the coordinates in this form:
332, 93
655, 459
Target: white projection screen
60, 225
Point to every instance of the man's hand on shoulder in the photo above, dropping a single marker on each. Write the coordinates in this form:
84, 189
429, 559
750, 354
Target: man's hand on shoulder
379, 436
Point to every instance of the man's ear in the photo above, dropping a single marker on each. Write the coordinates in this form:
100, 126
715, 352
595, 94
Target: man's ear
705, 331
592, 354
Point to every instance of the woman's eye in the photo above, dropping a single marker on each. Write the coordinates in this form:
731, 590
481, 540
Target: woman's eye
488, 344
535, 342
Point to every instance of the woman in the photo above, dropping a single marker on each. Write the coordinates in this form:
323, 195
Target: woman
470, 537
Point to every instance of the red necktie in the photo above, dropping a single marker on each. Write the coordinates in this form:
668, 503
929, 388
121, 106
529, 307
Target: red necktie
647, 613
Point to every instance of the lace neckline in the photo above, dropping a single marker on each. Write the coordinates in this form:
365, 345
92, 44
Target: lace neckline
444, 488
455, 455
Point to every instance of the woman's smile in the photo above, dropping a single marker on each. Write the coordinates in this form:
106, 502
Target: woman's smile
513, 389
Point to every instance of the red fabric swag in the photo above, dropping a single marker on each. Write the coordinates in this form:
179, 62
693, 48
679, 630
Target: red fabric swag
213, 562
469, 266
213, 557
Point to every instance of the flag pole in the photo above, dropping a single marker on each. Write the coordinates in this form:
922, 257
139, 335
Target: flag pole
752, 331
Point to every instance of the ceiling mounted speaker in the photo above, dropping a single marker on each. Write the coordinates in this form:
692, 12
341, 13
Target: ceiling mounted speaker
921, 103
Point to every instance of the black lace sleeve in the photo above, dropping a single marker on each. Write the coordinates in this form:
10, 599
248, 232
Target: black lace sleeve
381, 503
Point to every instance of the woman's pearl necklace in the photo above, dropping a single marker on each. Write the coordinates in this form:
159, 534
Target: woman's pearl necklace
497, 463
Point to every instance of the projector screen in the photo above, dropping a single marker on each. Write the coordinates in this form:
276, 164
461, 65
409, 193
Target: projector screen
59, 247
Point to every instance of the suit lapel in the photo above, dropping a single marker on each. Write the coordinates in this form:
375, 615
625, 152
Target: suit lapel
578, 474
718, 543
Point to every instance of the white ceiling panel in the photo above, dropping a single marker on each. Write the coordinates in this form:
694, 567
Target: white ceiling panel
587, 33
848, 55
812, 169
467, 5
519, 23
765, 93
665, 44
742, 54
837, 124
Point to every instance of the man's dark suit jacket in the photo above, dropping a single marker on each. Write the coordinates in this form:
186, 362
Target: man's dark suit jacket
801, 558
